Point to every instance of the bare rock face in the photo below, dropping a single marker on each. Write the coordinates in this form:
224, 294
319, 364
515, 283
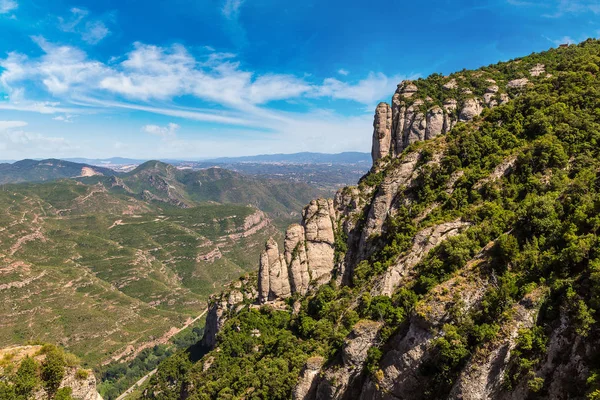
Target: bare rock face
450, 106
423, 243
381, 204
489, 96
318, 221
307, 383
360, 340
435, 122
296, 259
214, 322
308, 256
382, 131
450, 85
412, 347
518, 83
83, 389
470, 110
537, 70
483, 377
415, 125
342, 381
273, 274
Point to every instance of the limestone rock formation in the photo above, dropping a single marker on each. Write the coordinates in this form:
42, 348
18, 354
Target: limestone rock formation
273, 281
214, 323
470, 110
306, 386
382, 131
483, 377
296, 259
435, 122
318, 221
308, 255
518, 83
423, 242
343, 380
537, 70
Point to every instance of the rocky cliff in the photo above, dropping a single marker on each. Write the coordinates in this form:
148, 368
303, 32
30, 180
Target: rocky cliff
24, 383
463, 266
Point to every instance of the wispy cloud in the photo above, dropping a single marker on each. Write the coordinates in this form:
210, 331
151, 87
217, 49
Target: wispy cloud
7, 6
64, 118
4, 125
164, 132
153, 79
366, 91
559, 8
343, 72
151, 73
231, 9
92, 31
16, 142
562, 40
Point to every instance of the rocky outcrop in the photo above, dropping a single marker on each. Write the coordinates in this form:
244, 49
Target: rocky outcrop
386, 195
413, 347
84, 388
273, 282
423, 243
470, 110
306, 387
296, 259
220, 306
343, 380
308, 256
214, 322
415, 119
319, 227
518, 83
537, 70
382, 131
483, 376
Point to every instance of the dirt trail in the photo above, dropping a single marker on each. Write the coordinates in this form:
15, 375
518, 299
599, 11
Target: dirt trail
170, 334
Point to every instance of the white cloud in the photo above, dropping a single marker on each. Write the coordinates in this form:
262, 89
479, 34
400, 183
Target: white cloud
7, 6
152, 79
94, 32
4, 125
64, 118
18, 143
231, 9
366, 91
69, 24
343, 72
91, 32
150, 73
164, 132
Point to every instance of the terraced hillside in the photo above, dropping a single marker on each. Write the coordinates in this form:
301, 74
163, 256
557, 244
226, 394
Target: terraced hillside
111, 266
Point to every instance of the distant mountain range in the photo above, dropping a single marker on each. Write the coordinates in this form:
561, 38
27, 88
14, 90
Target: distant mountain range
295, 158
301, 158
47, 170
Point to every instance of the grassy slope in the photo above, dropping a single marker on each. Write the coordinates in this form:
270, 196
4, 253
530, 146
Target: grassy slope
70, 275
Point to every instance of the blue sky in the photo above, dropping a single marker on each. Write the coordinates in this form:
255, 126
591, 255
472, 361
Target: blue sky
203, 78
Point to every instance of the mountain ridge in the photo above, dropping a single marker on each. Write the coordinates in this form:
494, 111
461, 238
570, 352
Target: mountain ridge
463, 266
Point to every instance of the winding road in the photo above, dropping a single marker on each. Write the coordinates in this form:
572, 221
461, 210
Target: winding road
143, 379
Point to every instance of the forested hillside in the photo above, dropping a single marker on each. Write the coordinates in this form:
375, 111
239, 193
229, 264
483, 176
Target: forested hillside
465, 265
